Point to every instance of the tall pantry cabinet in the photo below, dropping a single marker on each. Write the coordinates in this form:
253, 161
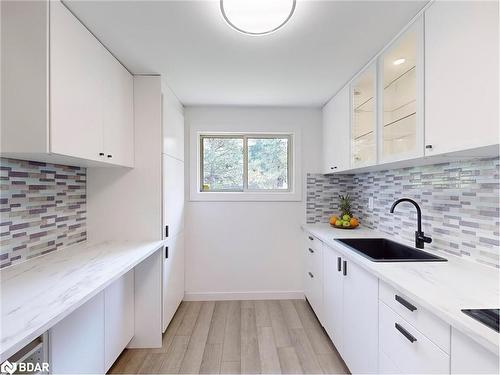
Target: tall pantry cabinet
173, 204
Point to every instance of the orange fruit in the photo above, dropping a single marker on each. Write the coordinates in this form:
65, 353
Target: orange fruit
333, 220
354, 222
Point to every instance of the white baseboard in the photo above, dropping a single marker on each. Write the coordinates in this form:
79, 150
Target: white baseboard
240, 296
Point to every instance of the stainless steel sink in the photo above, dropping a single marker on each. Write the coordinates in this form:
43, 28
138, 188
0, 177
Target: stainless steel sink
384, 250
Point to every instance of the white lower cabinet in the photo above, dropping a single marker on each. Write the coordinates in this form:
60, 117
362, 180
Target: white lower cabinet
467, 357
313, 274
173, 277
118, 317
77, 341
407, 348
378, 329
351, 311
360, 342
333, 296
92, 337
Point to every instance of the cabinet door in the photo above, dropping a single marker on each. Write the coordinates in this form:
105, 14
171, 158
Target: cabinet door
173, 194
173, 277
360, 338
363, 118
333, 296
77, 341
118, 317
118, 123
401, 97
461, 75
76, 87
173, 129
336, 127
468, 357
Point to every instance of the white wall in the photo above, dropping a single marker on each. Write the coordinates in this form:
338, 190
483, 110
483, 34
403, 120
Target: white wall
249, 249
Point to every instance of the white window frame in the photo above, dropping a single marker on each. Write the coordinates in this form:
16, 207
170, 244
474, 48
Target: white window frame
245, 138
293, 193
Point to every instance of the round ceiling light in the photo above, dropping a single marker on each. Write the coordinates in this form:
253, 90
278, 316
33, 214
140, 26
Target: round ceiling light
257, 17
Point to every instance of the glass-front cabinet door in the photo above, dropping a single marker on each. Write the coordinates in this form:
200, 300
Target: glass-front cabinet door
363, 118
401, 99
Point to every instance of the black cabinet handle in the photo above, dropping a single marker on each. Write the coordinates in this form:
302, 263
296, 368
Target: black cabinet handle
311, 251
345, 267
166, 252
110, 156
429, 147
405, 333
333, 167
101, 153
405, 303
311, 238
339, 264
311, 275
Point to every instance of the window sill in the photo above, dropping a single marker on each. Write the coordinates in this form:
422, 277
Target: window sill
293, 196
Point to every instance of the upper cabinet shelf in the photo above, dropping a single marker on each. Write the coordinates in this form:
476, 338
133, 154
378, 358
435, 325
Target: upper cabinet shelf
385, 112
65, 98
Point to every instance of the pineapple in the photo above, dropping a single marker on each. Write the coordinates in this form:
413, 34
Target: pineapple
345, 205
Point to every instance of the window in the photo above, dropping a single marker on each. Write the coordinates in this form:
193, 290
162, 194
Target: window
245, 163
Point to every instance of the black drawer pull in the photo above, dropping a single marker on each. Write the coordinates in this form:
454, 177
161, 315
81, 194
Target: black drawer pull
339, 264
311, 251
311, 275
345, 267
311, 238
405, 303
405, 333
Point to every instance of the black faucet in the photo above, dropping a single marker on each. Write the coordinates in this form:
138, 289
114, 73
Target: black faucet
420, 239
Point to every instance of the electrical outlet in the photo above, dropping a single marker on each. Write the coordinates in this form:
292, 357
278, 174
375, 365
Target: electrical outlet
370, 203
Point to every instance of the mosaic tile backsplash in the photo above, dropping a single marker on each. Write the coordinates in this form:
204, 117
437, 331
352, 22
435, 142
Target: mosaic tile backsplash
460, 204
42, 209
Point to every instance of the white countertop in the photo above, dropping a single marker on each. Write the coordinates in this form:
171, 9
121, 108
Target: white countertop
444, 288
38, 293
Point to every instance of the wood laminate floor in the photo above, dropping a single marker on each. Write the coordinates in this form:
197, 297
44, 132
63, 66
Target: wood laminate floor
232, 337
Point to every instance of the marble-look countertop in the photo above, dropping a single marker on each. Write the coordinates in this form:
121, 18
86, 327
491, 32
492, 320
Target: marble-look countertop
443, 288
38, 293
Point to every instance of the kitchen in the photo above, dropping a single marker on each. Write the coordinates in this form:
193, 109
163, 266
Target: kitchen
250, 187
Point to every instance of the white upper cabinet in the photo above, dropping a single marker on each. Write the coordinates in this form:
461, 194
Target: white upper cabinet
118, 124
77, 63
336, 133
81, 95
400, 111
432, 91
461, 75
364, 118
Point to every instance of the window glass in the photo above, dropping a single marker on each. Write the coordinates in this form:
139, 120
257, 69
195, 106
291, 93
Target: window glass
222, 164
268, 163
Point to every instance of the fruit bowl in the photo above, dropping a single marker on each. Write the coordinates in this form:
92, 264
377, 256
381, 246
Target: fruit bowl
344, 222
342, 227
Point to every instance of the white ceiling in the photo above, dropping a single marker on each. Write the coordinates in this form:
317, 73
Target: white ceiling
208, 63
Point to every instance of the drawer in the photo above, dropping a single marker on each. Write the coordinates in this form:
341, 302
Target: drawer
406, 348
430, 325
312, 242
313, 290
314, 257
